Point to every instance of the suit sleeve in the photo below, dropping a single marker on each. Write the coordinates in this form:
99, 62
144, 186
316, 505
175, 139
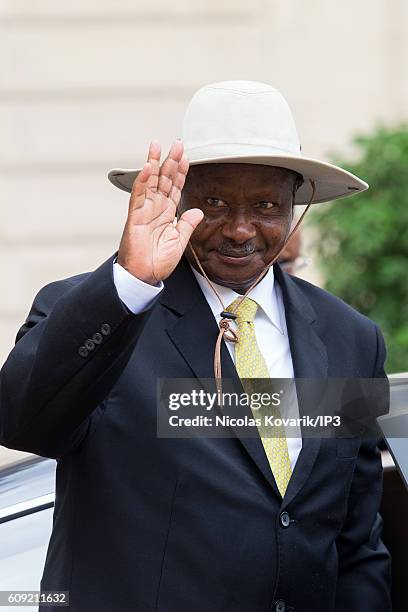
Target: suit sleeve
54, 379
364, 574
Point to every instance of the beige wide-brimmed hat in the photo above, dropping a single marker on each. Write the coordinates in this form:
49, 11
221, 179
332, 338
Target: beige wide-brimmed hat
250, 122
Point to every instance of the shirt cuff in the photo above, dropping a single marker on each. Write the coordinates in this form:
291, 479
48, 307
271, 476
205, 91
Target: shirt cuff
134, 293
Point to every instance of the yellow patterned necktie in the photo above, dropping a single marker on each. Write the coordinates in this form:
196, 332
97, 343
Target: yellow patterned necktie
250, 363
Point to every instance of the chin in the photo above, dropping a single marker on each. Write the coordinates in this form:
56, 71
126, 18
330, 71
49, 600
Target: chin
231, 279
233, 276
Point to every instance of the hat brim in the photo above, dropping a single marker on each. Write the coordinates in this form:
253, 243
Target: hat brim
331, 181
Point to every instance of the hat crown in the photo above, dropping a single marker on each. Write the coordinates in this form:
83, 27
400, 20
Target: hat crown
235, 118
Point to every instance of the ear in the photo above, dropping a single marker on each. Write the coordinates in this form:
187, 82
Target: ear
298, 183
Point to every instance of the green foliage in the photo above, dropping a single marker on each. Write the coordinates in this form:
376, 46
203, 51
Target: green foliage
363, 241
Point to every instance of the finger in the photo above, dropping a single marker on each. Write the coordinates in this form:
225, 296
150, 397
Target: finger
170, 167
187, 224
184, 165
154, 159
139, 186
180, 178
179, 181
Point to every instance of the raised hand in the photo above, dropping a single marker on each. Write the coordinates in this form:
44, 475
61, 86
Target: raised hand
153, 241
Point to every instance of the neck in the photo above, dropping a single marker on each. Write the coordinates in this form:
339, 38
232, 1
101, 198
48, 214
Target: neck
239, 288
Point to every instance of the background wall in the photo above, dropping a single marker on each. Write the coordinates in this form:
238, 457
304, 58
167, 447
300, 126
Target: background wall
85, 85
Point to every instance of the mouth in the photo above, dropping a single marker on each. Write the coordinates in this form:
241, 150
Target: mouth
238, 259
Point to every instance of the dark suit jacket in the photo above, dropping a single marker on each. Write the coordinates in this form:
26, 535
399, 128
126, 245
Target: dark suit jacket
143, 523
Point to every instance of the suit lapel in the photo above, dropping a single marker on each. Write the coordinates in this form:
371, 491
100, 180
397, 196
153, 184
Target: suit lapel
309, 357
194, 334
195, 331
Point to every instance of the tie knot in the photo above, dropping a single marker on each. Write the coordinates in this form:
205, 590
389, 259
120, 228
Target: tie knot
246, 311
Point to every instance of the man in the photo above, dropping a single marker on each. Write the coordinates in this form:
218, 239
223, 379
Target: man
207, 524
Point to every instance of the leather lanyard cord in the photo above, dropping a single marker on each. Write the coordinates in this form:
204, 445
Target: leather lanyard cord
226, 332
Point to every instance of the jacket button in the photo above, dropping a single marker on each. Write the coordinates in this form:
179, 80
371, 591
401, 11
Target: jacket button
89, 344
97, 338
285, 519
105, 329
280, 606
83, 351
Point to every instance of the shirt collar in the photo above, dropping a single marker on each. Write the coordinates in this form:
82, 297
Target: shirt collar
264, 294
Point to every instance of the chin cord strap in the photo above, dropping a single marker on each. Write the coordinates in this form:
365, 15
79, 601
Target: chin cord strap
226, 332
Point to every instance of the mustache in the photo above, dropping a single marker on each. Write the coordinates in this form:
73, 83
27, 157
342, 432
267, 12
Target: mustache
236, 250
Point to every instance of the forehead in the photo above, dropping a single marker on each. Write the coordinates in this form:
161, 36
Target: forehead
236, 176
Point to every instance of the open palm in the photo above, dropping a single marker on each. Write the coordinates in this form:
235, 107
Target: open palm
153, 241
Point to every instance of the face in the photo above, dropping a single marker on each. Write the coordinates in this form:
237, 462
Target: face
247, 217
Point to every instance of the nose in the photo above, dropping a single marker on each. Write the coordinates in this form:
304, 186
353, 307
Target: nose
238, 227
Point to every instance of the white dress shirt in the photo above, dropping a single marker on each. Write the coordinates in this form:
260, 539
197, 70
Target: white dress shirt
269, 322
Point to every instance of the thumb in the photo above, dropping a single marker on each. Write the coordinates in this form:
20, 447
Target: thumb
187, 224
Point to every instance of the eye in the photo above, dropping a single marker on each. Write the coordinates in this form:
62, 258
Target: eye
266, 205
216, 203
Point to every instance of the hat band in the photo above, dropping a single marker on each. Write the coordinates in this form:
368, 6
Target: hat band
234, 149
